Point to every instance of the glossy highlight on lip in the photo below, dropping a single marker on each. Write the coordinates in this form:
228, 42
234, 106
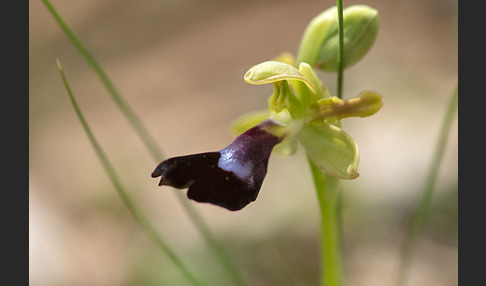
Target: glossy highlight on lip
230, 178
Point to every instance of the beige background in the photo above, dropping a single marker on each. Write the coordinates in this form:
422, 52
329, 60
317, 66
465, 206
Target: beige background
180, 64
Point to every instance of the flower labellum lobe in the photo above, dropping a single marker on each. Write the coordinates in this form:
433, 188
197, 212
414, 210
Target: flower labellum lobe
230, 178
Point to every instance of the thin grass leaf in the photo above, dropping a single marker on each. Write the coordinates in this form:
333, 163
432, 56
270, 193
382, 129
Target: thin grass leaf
419, 214
125, 196
339, 4
153, 148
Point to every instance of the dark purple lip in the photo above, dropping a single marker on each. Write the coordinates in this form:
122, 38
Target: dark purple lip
230, 178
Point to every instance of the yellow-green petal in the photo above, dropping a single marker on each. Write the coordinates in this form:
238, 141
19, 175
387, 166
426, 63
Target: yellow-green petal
331, 149
307, 71
365, 104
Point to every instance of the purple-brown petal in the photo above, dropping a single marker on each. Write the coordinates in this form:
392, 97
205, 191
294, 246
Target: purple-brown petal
230, 178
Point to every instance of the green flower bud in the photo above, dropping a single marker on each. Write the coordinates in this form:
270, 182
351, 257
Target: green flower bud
314, 36
319, 45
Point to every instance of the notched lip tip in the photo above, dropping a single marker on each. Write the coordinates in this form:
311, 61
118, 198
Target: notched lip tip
157, 172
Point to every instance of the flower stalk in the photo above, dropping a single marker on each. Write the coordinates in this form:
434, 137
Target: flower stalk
331, 273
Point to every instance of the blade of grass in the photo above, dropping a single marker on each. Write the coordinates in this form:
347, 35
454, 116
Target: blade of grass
419, 215
153, 148
124, 195
339, 4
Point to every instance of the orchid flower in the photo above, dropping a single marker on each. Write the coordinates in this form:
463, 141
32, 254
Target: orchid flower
301, 110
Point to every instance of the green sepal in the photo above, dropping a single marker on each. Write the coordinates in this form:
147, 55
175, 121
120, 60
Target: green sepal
331, 149
275, 71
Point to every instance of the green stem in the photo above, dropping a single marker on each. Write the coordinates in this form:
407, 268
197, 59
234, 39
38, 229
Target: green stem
330, 239
151, 145
340, 48
124, 195
420, 212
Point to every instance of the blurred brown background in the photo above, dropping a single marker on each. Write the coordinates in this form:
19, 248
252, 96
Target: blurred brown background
180, 64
